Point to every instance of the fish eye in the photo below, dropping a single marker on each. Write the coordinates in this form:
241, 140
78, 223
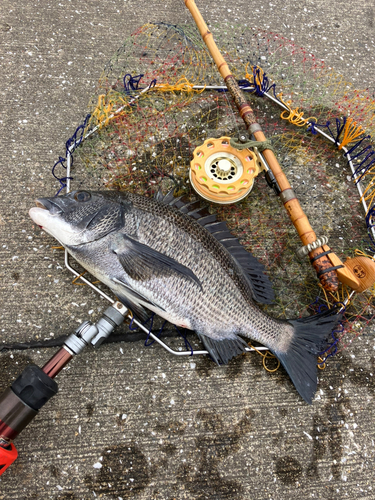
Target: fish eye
82, 196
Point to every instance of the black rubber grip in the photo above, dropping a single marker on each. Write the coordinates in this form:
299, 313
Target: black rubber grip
272, 182
329, 269
320, 255
34, 387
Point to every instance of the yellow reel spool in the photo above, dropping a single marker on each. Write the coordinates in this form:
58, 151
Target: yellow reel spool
222, 174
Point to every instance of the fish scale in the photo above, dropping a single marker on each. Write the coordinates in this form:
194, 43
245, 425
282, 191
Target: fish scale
186, 267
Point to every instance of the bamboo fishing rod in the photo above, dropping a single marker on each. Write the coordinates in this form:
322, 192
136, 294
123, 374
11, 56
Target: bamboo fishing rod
325, 267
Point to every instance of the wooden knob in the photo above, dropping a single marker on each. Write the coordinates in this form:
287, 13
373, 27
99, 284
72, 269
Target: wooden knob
364, 270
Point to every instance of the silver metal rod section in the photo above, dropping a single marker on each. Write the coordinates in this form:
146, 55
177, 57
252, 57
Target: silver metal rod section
68, 168
217, 87
347, 300
184, 353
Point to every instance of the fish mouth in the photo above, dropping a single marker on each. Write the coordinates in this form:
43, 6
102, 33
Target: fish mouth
49, 204
45, 209
39, 204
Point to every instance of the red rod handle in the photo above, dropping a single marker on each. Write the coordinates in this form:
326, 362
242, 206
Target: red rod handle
7, 456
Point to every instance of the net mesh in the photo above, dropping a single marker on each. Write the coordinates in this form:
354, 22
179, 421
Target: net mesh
143, 141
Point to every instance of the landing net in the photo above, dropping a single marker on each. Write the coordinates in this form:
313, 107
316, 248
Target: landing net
157, 100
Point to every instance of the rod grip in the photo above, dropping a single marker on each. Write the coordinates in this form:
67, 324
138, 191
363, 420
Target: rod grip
325, 271
19, 404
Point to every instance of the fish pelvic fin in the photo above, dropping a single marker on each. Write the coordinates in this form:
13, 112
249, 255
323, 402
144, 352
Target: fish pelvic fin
222, 351
138, 310
310, 337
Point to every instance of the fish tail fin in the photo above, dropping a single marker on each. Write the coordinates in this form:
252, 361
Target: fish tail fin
300, 359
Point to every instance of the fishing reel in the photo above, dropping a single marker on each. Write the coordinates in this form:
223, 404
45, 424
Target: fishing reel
222, 174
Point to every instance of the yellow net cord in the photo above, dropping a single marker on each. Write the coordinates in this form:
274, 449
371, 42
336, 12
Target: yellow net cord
294, 116
182, 85
351, 132
265, 356
108, 106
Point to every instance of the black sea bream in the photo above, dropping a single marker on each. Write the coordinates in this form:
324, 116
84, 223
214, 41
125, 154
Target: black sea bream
163, 255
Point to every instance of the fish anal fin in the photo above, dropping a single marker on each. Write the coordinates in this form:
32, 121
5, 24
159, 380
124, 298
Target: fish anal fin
223, 350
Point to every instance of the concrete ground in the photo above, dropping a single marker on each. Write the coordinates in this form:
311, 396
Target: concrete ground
131, 422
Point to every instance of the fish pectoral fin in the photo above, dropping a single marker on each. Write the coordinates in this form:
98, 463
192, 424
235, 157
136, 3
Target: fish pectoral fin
141, 262
222, 351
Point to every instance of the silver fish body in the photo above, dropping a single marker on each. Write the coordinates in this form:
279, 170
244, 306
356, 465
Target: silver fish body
193, 273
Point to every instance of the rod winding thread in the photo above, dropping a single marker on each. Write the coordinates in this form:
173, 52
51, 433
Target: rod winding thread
319, 242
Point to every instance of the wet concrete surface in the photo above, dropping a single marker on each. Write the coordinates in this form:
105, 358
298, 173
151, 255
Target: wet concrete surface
135, 422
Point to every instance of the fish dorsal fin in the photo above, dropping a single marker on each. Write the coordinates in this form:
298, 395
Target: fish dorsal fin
165, 200
184, 205
251, 268
190, 207
158, 196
